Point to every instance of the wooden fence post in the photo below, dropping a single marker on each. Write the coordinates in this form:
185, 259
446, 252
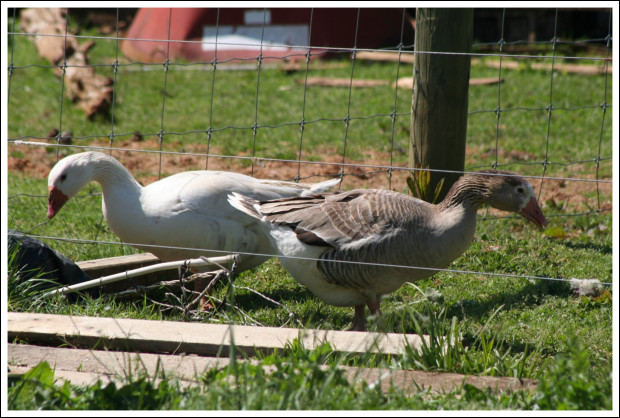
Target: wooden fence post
440, 94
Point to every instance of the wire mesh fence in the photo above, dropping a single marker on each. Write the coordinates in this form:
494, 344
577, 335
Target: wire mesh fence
298, 111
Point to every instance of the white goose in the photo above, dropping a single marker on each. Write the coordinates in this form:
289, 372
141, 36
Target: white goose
187, 210
330, 232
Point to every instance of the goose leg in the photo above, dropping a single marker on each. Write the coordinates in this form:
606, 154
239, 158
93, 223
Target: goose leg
359, 320
375, 310
374, 307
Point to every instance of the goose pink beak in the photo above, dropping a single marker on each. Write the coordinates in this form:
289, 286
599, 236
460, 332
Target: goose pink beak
55, 201
533, 213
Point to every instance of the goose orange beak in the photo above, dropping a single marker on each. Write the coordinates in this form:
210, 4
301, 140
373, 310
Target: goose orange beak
533, 213
55, 201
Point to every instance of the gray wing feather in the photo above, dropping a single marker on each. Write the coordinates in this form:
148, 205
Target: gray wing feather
341, 218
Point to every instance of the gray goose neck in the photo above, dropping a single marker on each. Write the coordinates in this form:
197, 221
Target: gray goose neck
470, 191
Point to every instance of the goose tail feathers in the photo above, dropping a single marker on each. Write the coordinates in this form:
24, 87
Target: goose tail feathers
321, 187
245, 204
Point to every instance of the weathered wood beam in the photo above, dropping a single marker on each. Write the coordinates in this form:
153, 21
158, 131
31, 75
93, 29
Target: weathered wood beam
192, 338
80, 367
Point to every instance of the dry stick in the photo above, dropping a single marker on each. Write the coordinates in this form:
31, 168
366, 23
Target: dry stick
208, 288
202, 261
218, 275
143, 290
220, 303
186, 308
180, 304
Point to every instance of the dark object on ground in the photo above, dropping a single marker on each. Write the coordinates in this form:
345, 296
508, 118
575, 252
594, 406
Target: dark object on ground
36, 259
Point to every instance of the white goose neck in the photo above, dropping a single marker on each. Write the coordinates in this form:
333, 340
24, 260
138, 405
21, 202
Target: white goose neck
107, 171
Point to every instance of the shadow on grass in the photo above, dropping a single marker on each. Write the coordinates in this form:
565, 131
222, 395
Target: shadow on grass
533, 293
603, 249
316, 314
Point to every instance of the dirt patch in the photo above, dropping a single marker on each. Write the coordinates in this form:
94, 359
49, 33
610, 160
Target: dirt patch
145, 166
37, 161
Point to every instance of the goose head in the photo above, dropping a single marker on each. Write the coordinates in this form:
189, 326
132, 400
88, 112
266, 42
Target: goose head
503, 190
67, 178
510, 192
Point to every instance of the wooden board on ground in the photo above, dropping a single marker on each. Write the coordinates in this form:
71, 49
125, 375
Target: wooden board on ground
192, 338
341, 82
407, 82
85, 367
106, 266
568, 68
385, 56
112, 265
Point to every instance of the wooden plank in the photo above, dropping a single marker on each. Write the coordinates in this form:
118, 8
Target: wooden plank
81, 366
112, 265
485, 81
407, 82
293, 66
341, 82
407, 58
85, 367
568, 68
192, 338
77, 378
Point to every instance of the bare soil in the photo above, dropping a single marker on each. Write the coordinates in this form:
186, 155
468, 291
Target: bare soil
37, 161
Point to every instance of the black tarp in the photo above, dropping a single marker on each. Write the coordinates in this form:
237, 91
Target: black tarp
36, 259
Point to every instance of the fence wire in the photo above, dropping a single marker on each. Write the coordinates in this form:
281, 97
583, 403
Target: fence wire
347, 168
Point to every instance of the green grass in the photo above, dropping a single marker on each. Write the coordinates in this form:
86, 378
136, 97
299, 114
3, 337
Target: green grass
498, 325
298, 382
231, 102
525, 124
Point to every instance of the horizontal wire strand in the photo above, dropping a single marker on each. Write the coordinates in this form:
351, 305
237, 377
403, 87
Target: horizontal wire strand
511, 275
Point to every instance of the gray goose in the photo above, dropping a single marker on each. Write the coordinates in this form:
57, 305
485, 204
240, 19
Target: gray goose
322, 238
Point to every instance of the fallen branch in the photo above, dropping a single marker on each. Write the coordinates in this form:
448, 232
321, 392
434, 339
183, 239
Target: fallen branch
140, 290
341, 82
